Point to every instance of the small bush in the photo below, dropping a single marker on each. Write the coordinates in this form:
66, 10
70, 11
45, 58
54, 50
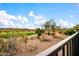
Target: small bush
39, 32
69, 32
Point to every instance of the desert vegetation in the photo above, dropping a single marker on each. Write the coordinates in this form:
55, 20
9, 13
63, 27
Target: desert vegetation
31, 42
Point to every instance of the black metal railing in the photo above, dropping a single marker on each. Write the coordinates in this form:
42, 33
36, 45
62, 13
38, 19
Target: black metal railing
67, 47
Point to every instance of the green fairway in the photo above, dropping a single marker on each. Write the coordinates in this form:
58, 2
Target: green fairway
15, 34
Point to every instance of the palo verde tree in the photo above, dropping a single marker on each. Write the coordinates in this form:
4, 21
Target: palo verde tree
49, 26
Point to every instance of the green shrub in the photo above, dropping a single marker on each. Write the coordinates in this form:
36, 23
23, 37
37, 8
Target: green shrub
39, 32
69, 31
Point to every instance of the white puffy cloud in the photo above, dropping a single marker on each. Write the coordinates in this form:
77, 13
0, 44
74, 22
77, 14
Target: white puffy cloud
8, 20
31, 14
38, 19
5, 22
12, 21
65, 23
22, 19
4, 15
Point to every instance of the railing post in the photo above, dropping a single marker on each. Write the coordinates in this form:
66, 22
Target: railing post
70, 47
76, 45
67, 49
73, 47
63, 50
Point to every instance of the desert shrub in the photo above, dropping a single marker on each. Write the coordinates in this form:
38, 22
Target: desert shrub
7, 46
31, 45
3, 45
69, 31
39, 32
45, 37
11, 48
3, 34
25, 38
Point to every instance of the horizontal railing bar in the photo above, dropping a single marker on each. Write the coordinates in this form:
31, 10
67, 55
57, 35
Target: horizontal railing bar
56, 46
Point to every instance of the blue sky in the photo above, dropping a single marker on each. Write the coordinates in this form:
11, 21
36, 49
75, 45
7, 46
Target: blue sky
33, 15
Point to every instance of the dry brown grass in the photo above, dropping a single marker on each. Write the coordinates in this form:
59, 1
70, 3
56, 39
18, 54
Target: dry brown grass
35, 45
29, 46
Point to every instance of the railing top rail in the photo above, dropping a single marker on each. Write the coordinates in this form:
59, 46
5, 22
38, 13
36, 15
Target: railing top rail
55, 47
